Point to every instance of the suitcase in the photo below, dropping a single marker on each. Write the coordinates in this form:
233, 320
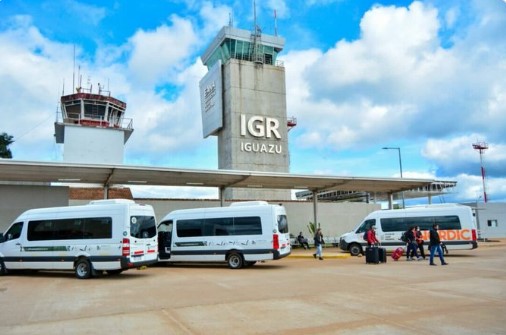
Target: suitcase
372, 255
397, 253
382, 253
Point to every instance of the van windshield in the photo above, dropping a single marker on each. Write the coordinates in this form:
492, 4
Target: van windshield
142, 226
365, 226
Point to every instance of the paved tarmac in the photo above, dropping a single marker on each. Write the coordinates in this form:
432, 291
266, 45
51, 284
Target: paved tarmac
295, 295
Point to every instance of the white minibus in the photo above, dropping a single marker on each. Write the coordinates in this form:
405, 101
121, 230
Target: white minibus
457, 227
105, 235
240, 234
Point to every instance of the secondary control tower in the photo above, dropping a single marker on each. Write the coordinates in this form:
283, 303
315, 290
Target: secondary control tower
243, 100
93, 128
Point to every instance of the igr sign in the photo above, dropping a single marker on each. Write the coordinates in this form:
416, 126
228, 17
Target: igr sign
260, 126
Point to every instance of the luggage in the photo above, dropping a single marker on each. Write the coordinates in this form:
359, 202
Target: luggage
397, 253
382, 253
372, 255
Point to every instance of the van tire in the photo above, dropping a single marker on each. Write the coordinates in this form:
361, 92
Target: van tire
83, 268
3, 270
355, 249
235, 260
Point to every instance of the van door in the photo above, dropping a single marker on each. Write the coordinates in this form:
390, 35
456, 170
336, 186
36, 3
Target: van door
164, 240
143, 241
11, 248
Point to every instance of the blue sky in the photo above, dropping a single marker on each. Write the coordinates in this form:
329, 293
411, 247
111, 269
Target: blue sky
426, 76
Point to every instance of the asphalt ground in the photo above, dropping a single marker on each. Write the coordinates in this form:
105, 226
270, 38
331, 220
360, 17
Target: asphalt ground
295, 295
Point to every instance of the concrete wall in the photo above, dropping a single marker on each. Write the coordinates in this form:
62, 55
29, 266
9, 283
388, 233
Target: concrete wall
254, 92
93, 145
15, 199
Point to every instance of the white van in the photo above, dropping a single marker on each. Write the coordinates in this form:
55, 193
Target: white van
457, 227
105, 235
241, 234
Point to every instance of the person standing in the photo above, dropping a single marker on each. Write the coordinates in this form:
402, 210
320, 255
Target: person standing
435, 245
412, 251
419, 241
318, 243
371, 237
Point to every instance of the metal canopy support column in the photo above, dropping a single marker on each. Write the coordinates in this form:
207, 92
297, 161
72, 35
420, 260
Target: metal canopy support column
106, 191
430, 199
222, 194
315, 210
390, 201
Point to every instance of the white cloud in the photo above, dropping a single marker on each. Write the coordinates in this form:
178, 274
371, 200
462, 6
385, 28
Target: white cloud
158, 55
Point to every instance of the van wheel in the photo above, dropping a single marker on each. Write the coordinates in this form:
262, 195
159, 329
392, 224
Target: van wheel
83, 269
235, 260
355, 249
3, 270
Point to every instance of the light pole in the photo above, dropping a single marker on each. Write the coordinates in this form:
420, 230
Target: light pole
400, 166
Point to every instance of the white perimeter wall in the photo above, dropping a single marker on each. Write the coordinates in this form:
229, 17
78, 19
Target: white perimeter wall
15, 199
334, 218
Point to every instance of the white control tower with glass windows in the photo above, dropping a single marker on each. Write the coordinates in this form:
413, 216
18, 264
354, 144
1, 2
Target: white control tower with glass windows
243, 98
93, 128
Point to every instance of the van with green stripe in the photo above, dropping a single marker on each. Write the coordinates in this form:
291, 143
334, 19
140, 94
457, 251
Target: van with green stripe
104, 235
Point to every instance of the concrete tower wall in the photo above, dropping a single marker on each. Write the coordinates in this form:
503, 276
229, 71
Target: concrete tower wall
255, 134
93, 145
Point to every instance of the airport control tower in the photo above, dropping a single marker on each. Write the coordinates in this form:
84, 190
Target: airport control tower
93, 128
243, 100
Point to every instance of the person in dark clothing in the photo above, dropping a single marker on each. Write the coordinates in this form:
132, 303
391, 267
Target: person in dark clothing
435, 245
412, 251
303, 241
419, 241
318, 243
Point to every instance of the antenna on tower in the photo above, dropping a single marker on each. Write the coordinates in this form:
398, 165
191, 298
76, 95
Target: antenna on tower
275, 23
481, 147
230, 20
256, 28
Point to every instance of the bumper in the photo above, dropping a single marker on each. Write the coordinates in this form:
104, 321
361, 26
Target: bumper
127, 263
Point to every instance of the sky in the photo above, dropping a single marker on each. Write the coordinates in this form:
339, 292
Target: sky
427, 77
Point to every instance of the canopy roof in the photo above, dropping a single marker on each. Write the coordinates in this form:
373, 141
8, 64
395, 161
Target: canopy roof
109, 175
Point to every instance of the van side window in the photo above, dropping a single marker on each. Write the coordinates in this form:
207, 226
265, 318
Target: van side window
70, 229
445, 222
14, 232
247, 225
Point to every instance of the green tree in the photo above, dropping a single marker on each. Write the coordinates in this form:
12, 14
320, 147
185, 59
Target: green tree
5, 141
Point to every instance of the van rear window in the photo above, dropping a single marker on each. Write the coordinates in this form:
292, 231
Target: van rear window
282, 224
142, 226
